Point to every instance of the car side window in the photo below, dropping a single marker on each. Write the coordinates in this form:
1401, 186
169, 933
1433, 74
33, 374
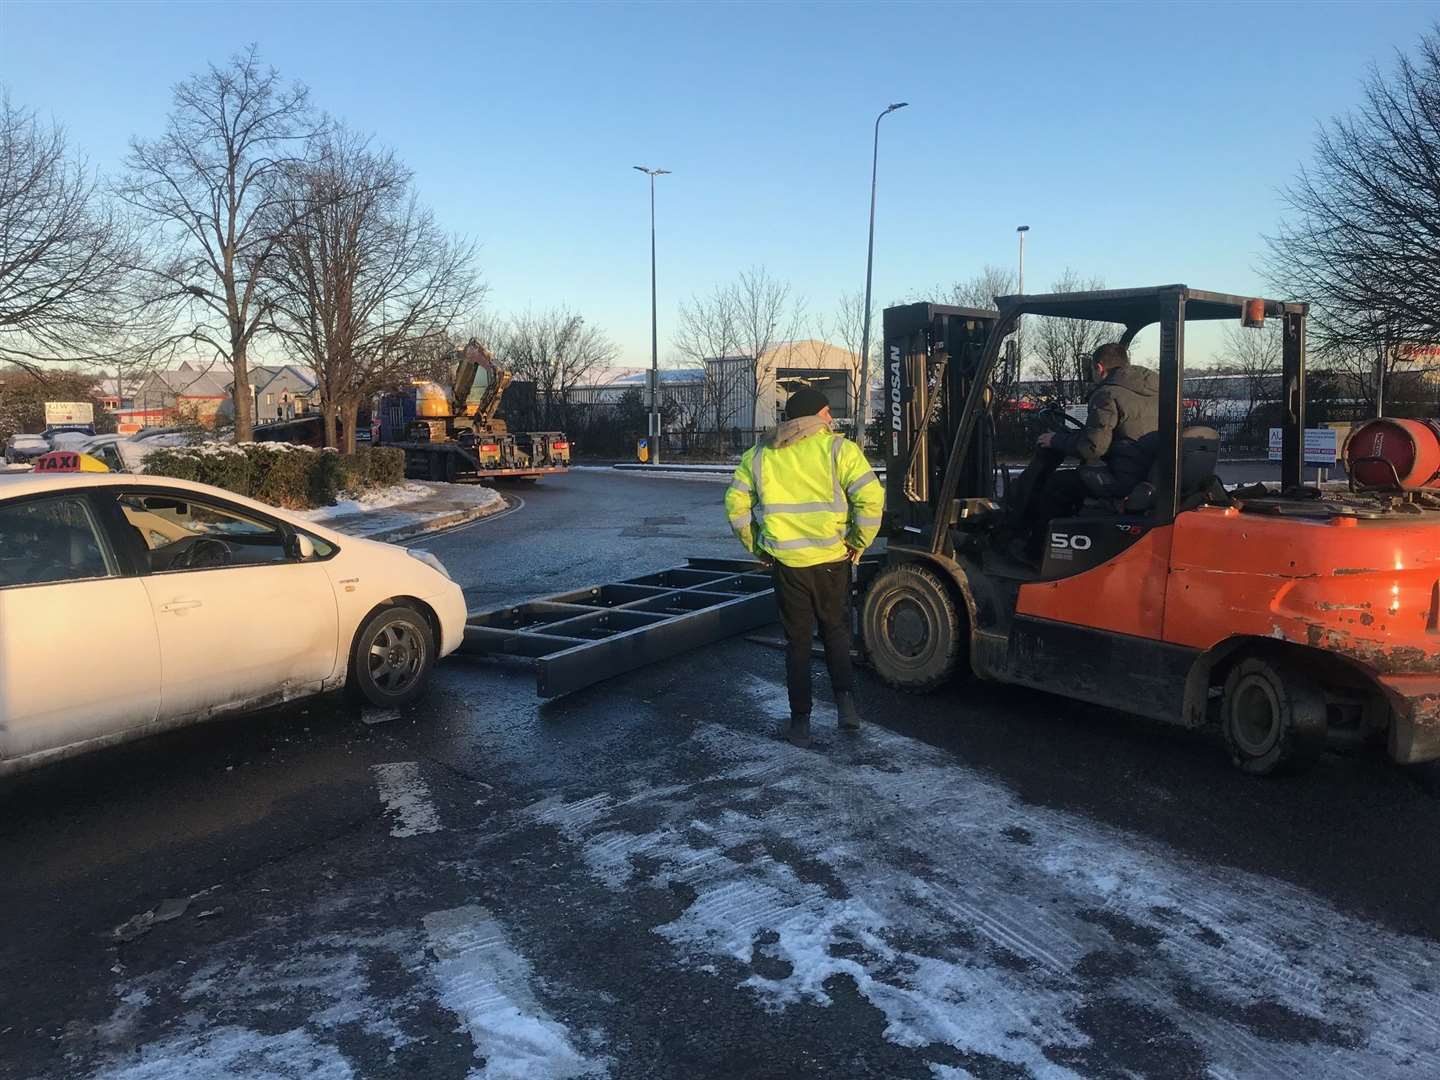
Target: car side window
45, 541
181, 533
110, 456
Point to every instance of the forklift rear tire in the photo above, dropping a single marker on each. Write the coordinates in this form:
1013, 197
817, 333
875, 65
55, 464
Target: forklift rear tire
1271, 718
913, 632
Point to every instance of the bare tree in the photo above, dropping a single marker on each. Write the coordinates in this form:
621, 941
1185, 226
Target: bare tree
1062, 348
1362, 243
212, 187
765, 316
65, 253
1255, 354
555, 350
848, 327
980, 291
365, 284
708, 334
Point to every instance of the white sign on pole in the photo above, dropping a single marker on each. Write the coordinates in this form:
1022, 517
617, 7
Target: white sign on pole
1321, 445
69, 412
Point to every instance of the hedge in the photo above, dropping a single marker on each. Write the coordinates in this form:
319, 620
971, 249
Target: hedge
282, 474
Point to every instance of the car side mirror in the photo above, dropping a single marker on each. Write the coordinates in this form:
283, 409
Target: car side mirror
303, 547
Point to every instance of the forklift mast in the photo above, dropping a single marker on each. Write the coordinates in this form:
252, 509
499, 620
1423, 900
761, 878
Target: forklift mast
932, 357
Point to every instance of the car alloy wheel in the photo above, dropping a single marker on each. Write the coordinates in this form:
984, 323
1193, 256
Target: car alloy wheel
397, 656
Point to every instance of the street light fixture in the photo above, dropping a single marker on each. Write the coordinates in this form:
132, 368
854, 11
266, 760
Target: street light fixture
869, 264
654, 336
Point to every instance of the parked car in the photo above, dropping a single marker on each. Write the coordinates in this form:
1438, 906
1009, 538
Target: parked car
126, 453
148, 604
104, 448
21, 448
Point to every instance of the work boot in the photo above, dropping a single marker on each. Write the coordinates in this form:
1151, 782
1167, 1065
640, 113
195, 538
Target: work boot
849, 714
798, 730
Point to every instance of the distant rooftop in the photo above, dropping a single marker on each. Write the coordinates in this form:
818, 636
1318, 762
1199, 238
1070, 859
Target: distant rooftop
640, 376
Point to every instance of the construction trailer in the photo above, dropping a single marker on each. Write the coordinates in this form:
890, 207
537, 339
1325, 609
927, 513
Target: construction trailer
455, 435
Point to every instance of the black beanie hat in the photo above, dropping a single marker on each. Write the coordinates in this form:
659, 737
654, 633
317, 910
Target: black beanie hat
807, 401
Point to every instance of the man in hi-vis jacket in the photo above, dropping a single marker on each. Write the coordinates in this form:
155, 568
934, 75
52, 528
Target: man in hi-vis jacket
805, 500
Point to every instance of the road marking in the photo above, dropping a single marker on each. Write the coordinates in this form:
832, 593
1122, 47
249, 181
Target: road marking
407, 798
486, 983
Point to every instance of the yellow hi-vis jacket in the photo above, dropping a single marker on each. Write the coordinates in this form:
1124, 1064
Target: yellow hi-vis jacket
804, 496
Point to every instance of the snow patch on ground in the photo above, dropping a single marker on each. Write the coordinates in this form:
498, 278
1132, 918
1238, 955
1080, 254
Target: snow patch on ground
397, 495
235, 1051
329, 973
974, 920
407, 798
486, 983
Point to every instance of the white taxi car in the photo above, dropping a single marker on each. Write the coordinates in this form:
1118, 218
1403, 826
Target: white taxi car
130, 604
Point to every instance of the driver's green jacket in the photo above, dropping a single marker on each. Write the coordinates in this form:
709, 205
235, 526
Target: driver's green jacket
804, 496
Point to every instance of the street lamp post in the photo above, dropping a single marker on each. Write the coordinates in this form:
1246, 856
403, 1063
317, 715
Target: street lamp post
864, 410
654, 336
1020, 231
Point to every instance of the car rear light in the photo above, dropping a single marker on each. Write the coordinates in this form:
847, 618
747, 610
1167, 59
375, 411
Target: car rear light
562, 446
490, 448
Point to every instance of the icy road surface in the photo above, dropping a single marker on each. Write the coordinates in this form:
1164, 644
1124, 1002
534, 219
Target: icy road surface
640, 881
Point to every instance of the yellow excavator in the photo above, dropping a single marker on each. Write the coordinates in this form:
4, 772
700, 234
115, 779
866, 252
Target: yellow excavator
456, 436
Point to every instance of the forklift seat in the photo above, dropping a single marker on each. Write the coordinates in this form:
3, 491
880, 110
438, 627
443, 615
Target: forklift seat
1199, 454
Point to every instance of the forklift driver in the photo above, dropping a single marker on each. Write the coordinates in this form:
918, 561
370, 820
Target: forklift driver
1124, 408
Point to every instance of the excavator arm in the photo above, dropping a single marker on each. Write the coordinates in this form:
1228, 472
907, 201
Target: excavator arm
471, 361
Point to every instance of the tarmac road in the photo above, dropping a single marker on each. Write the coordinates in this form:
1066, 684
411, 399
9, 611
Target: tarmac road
639, 881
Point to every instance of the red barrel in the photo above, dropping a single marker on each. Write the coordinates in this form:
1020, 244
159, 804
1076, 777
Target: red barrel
1395, 454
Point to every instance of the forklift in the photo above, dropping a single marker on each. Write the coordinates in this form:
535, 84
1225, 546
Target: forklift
1287, 619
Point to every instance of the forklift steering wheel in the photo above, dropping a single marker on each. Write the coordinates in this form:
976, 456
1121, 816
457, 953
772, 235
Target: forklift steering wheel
1057, 419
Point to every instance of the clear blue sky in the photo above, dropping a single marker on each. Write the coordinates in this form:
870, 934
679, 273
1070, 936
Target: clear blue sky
1142, 142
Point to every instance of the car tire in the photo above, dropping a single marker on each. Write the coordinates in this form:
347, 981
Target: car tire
1271, 718
914, 634
392, 657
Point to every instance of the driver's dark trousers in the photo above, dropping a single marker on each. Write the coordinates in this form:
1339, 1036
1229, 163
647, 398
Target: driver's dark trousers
808, 595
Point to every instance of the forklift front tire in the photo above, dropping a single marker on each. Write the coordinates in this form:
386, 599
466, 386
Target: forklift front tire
913, 632
1271, 718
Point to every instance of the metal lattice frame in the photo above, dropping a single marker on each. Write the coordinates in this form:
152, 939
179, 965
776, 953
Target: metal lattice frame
585, 636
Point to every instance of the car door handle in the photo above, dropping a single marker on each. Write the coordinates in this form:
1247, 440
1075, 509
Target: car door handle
180, 605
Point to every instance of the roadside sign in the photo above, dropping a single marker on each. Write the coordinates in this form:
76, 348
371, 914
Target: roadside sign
68, 412
642, 450
1321, 446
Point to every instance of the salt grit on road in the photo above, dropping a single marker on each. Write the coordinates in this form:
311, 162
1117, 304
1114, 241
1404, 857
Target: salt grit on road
990, 936
1005, 932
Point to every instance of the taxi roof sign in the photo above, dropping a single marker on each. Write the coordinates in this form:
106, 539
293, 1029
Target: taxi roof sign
69, 461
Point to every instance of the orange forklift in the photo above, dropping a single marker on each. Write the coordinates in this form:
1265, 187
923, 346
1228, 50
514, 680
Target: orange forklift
1287, 618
